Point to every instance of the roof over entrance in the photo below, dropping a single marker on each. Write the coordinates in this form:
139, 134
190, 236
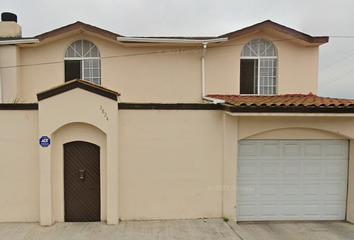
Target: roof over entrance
78, 83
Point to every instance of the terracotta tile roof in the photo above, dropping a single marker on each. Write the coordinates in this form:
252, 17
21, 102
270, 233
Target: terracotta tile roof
286, 100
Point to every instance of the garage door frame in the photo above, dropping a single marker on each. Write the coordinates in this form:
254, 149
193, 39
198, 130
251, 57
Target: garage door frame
271, 210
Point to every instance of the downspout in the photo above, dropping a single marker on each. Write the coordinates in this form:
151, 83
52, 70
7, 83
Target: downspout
0, 88
214, 100
0, 84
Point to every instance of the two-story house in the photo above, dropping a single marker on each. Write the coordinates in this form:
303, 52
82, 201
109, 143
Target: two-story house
96, 126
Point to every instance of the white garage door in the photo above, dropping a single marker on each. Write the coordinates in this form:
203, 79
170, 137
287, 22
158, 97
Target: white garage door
292, 180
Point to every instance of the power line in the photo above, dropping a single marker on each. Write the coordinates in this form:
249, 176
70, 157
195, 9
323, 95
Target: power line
332, 80
168, 51
56, 62
351, 54
162, 52
341, 36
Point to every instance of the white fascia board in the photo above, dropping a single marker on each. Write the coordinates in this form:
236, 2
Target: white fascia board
170, 40
18, 41
242, 114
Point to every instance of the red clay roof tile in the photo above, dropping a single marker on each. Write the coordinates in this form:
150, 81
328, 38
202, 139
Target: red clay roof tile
286, 100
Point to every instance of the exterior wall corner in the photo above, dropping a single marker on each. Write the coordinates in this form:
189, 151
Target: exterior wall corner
230, 167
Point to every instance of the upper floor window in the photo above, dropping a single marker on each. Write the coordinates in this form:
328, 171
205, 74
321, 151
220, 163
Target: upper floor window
258, 73
83, 60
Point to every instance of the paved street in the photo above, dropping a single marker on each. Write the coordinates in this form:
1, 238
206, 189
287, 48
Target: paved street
212, 229
203, 229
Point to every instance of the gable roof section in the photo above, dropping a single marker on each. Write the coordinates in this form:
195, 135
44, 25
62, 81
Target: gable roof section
78, 83
78, 26
232, 35
277, 27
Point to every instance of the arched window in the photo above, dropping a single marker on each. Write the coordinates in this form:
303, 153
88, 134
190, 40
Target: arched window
83, 60
258, 73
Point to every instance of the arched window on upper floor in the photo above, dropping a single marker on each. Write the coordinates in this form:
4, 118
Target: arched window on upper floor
258, 73
83, 60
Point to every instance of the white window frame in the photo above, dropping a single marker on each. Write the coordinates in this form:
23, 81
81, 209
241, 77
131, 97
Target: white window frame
84, 58
258, 57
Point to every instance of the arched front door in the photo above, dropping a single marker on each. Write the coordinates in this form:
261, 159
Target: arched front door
82, 193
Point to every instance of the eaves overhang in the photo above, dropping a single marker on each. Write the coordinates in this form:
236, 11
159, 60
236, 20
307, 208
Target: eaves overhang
18, 41
244, 110
279, 28
299, 111
78, 83
80, 27
77, 26
170, 40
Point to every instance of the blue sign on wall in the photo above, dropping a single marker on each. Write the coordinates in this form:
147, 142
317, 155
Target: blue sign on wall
44, 141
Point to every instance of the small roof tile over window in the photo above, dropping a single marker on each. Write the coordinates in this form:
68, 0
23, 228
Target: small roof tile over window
286, 100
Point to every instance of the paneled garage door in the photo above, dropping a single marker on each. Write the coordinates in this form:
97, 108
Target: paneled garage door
292, 180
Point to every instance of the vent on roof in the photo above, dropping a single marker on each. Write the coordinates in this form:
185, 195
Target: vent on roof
8, 17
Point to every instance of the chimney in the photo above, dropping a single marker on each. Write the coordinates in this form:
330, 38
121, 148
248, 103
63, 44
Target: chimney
9, 27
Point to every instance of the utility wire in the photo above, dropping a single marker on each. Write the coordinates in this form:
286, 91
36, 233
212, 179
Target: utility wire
349, 36
108, 57
162, 52
332, 80
166, 51
330, 65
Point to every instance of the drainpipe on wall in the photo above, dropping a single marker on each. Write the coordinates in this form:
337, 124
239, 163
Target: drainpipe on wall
0, 88
177, 40
0, 84
214, 100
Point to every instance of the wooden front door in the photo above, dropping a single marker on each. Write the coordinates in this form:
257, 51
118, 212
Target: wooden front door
82, 193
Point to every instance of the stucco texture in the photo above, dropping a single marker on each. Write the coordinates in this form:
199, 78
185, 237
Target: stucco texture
170, 164
19, 168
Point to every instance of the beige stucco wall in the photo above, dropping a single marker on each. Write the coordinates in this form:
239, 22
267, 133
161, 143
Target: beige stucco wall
157, 72
297, 65
296, 133
173, 164
280, 127
170, 164
141, 74
19, 168
10, 74
10, 29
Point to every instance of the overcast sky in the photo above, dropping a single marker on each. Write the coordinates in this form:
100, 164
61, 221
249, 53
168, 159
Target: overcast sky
334, 18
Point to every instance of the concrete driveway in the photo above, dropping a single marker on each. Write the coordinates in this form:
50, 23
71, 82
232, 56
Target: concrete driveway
203, 229
322, 230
